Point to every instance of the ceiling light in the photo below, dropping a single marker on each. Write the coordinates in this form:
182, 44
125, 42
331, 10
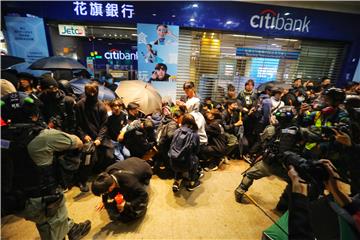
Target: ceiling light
287, 14
286, 39
154, 14
246, 36
229, 22
134, 34
195, 5
192, 19
173, 15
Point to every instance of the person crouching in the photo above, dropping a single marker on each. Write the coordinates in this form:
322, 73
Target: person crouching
123, 189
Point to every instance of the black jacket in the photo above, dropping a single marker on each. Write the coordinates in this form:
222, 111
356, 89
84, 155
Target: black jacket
132, 175
59, 109
216, 138
138, 141
229, 119
92, 120
115, 124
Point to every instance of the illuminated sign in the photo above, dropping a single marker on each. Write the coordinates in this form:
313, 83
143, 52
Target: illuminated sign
71, 30
100, 9
119, 55
267, 53
269, 19
264, 69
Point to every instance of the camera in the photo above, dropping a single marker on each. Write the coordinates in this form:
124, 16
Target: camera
328, 131
309, 170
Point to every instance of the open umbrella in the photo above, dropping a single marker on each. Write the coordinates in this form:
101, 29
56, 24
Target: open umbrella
8, 61
278, 84
78, 86
141, 93
56, 63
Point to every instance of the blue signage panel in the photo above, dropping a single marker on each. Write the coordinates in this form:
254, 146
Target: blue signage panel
26, 38
264, 69
258, 19
158, 47
267, 53
158, 56
120, 55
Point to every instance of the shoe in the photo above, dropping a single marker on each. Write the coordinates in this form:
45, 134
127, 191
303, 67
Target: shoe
83, 187
176, 187
201, 174
239, 195
211, 168
79, 230
226, 160
247, 159
193, 186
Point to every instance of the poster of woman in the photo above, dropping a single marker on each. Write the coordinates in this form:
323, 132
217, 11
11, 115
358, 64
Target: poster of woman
157, 64
158, 45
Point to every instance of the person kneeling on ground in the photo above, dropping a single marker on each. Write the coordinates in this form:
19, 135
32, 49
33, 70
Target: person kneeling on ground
183, 152
123, 189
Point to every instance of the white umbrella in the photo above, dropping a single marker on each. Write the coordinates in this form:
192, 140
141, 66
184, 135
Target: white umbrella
141, 93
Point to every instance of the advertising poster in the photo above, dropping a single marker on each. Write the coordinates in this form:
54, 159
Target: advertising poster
26, 39
157, 57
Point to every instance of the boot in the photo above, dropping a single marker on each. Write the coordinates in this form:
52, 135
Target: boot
79, 230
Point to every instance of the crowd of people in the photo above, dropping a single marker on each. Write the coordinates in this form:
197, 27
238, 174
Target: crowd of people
66, 139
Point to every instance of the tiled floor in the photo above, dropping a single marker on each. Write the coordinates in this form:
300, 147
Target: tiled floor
210, 212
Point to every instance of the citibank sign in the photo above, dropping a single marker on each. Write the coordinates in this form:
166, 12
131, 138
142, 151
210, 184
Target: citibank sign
119, 55
269, 19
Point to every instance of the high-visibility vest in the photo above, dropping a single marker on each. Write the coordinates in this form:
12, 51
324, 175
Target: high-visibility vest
318, 124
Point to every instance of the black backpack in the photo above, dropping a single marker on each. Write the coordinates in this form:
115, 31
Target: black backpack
17, 165
181, 144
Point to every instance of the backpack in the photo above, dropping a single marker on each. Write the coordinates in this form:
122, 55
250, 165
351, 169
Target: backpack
181, 145
17, 165
164, 132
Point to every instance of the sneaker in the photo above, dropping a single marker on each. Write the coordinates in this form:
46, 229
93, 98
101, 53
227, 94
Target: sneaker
226, 160
247, 159
84, 187
79, 230
192, 186
176, 186
211, 168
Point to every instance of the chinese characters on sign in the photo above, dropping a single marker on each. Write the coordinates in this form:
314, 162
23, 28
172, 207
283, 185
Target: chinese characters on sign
107, 10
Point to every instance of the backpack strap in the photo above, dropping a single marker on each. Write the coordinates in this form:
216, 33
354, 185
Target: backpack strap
121, 171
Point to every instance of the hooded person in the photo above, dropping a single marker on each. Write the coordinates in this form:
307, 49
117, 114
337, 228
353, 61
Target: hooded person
91, 119
58, 112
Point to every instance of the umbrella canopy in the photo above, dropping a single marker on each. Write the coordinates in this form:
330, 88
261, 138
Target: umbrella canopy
141, 93
78, 86
277, 84
8, 61
56, 63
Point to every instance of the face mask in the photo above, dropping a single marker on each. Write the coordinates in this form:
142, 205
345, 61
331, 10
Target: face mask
300, 99
92, 99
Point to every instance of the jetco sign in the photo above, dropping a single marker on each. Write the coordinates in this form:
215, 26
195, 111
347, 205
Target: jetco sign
71, 30
119, 55
269, 19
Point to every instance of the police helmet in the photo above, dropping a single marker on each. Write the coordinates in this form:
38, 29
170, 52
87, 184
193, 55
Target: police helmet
18, 107
336, 95
286, 113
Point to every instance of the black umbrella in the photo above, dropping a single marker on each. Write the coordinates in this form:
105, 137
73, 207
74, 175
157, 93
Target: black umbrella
277, 84
8, 61
56, 63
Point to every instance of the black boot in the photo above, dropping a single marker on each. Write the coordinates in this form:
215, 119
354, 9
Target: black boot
79, 230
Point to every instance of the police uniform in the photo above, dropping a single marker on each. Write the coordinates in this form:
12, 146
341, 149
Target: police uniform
47, 208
